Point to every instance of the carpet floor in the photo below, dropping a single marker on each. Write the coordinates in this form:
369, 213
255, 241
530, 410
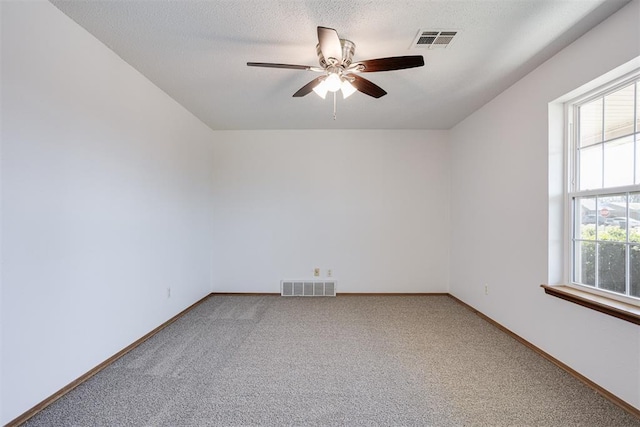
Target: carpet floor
344, 361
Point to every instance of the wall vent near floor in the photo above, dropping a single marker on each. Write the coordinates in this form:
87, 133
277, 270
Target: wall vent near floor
308, 288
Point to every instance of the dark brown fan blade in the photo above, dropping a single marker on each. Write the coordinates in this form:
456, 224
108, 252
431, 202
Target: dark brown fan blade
306, 89
270, 65
393, 63
330, 44
367, 87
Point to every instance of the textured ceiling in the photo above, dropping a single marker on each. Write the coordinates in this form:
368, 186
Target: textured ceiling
196, 51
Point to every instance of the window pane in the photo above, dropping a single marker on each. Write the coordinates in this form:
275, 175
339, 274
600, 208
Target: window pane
613, 212
618, 113
634, 217
591, 122
638, 155
634, 259
584, 263
634, 237
590, 167
586, 217
611, 266
637, 107
618, 162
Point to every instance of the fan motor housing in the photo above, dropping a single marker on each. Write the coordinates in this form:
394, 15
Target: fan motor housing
348, 49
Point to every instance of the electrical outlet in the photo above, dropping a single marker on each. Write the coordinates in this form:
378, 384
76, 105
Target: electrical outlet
486, 289
316, 272
329, 273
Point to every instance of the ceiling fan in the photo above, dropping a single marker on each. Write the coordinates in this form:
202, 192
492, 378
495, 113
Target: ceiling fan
339, 73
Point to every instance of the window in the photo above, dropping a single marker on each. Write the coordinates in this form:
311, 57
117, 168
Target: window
604, 190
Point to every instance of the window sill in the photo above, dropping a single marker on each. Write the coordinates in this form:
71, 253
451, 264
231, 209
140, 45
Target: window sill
621, 310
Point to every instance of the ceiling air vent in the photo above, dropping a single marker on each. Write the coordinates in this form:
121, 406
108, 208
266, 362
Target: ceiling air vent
434, 39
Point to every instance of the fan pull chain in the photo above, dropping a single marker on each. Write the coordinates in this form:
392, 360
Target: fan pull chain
334, 105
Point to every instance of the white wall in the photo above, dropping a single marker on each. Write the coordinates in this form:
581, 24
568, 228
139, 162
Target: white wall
370, 205
106, 202
500, 213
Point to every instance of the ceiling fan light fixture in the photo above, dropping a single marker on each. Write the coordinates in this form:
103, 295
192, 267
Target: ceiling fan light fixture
333, 82
347, 89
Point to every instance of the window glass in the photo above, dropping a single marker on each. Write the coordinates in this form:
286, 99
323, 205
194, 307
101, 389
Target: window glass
585, 263
634, 262
590, 167
634, 216
591, 123
613, 211
586, 217
611, 266
637, 107
634, 247
618, 162
637, 138
619, 113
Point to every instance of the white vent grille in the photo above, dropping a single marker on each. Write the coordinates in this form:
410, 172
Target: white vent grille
308, 288
434, 39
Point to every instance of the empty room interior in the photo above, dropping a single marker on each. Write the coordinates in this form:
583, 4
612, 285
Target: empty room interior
475, 159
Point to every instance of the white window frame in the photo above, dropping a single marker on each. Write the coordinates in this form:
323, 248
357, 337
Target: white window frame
571, 180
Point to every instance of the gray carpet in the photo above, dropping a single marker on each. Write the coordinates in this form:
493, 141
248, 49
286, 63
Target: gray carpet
347, 361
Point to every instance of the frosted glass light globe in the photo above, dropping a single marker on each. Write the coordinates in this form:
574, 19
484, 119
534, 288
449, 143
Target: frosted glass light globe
347, 89
321, 89
334, 82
